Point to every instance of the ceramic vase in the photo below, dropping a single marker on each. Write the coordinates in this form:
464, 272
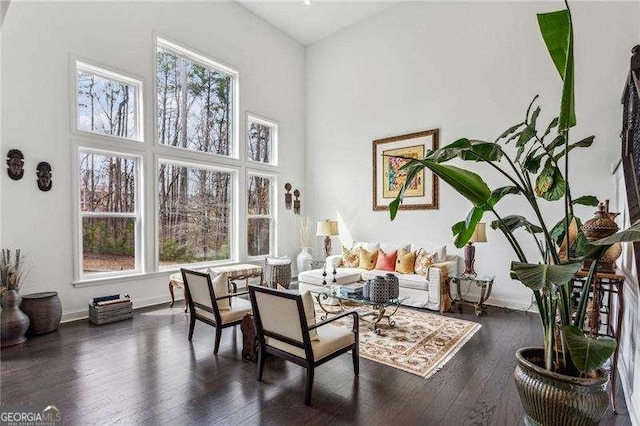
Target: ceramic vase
13, 322
379, 290
303, 259
394, 286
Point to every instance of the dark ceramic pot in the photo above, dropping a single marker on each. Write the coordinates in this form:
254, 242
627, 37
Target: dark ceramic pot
551, 399
13, 322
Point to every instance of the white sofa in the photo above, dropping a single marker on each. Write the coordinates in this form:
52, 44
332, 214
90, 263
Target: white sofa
421, 291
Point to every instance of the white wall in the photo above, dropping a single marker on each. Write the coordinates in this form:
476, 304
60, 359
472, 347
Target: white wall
469, 69
37, 39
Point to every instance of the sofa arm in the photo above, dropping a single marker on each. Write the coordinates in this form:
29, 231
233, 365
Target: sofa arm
439, 283
333, 261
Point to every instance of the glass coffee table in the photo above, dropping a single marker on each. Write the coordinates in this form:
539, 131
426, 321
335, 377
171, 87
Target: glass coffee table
365, 308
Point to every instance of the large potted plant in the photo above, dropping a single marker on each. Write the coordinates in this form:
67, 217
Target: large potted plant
561, 383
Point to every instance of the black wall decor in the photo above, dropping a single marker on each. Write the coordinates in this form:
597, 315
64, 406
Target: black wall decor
15, 161
287, 196
45, 181
296, 202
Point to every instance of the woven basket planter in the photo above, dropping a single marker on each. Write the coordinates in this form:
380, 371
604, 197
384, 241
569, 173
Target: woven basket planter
277, 273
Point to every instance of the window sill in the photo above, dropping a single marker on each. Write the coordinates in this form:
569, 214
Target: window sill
118, 279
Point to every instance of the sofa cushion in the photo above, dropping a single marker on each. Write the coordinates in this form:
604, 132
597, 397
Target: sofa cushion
368, 246
440, 250
424, 261
350, 258
368, 259
343, 276
405, 261
386, 261
415, 281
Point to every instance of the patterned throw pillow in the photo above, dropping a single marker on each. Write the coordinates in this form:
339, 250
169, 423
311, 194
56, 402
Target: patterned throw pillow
386, 262
424, 261
406, 261
368, 259
350, 258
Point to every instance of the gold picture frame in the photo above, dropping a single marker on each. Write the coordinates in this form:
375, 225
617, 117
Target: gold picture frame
387, 179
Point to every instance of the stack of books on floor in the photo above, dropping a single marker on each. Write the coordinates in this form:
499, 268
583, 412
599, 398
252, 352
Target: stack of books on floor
106, 309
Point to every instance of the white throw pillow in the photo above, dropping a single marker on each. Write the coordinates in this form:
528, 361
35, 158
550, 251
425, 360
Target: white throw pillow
310, 313
221, 288
368, 246
391, 247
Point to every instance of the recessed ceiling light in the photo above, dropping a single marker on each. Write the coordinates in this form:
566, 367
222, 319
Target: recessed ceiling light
307, 2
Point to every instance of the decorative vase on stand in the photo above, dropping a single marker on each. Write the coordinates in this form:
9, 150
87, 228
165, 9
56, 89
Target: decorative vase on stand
303, 259
13, 322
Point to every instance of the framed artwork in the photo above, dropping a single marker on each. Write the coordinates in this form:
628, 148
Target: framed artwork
388, 178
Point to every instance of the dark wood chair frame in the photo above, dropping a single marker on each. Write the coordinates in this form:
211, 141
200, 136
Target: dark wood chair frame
193, 316
308, 361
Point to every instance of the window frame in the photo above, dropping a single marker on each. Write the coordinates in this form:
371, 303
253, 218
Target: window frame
272, 216
138, 214
234, 211
251, 117
113, 74
179, 49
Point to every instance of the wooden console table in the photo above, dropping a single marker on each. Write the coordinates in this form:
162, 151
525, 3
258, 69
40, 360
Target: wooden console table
601, 320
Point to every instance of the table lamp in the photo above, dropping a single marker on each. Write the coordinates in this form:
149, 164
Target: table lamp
327, 229
479, 236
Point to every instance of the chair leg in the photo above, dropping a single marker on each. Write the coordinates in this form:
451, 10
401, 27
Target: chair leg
261, 359
192, 324
218, 335
307, 395
356, 361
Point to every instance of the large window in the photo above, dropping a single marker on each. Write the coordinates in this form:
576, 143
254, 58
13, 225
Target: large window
107, 103
260, 224
195, 98
109, 213
262, 137
195, 213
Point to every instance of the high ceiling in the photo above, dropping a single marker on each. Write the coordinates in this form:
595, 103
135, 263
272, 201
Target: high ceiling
308, 24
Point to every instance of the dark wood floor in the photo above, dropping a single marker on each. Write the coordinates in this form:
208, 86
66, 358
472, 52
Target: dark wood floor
145, 371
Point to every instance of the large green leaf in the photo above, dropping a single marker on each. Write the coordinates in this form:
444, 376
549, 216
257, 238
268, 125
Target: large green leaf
557, 235
499, 193
586, 353
587, 200
468, 184
557, 32
513, 222
509, 131
463, 230
584, 143
551, 126
594, 249
550, 184
466, 149
537, 276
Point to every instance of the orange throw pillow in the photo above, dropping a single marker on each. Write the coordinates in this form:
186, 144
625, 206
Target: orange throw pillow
386, 261
367, 259
406, 261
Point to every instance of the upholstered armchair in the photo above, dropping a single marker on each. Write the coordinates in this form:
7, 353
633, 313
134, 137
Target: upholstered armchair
211, 302
286, 328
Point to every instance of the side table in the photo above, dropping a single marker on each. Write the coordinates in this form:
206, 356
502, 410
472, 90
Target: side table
484, 282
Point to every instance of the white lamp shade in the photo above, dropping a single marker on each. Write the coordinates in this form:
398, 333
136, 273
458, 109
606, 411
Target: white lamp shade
480, 234
327, 228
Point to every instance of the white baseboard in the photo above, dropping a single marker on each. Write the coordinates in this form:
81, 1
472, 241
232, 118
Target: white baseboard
633, 408
80, 314
519, 305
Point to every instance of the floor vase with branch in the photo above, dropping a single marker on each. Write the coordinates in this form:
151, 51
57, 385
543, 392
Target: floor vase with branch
561, 383
13, 322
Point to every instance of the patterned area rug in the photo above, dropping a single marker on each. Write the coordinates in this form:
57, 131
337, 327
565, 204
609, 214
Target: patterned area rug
420, 343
